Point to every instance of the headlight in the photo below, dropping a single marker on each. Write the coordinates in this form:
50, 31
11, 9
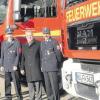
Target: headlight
97, 85
68, 77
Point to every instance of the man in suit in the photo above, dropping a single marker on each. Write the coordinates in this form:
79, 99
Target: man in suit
31, 64
50, 56
9, 64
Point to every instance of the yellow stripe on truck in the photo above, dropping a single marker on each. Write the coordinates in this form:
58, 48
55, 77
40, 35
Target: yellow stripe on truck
53, 33
40, 34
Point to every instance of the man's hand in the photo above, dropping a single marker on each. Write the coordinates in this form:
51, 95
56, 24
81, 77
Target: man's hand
22, 72
14, 68
41, 68
2, 68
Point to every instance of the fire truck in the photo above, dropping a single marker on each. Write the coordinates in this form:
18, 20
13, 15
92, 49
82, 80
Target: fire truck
81, 72
75, 24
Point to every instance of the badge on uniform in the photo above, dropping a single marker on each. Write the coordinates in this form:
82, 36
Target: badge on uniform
58, 47
10, 51
48, 52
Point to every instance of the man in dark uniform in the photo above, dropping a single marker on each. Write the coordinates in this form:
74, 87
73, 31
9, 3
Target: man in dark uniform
50, 56
9, 64
31, 62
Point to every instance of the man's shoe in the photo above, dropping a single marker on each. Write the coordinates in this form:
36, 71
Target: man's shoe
19, 97
8, 98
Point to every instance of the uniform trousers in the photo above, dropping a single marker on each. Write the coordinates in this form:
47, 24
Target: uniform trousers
35, 88
9, 76
52, 85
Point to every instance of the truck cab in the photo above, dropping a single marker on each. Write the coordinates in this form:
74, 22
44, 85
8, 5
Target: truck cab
81, 72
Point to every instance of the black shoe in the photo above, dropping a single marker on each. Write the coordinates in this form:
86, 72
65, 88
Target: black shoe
19, 97
8, 98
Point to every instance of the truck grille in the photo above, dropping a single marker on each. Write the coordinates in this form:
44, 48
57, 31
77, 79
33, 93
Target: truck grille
86, 91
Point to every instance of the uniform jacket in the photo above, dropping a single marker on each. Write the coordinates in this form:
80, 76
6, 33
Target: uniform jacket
31, 61
50, 55
10, 54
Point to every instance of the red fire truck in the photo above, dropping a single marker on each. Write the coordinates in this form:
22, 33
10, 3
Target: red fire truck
81, 72
75, 24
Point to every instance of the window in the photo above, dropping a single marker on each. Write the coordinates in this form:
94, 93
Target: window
38, 8
84, 36
3, 8
70, 3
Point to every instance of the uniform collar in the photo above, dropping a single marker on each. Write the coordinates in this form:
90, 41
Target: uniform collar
12, 42
49, 39
9, 44
33, 42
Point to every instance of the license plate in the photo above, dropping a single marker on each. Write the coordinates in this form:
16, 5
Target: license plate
85, 78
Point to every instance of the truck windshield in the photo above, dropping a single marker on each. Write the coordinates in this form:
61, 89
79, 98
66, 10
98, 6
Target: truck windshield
73, 2
38, 8
3, 7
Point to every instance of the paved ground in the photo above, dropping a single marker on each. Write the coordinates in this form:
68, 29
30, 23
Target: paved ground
65, 96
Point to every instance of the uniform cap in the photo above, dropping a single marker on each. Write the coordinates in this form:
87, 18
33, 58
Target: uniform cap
46, 30
9, 30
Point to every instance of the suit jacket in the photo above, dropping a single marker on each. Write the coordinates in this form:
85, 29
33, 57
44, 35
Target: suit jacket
10, 54
50, 55
31, 61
